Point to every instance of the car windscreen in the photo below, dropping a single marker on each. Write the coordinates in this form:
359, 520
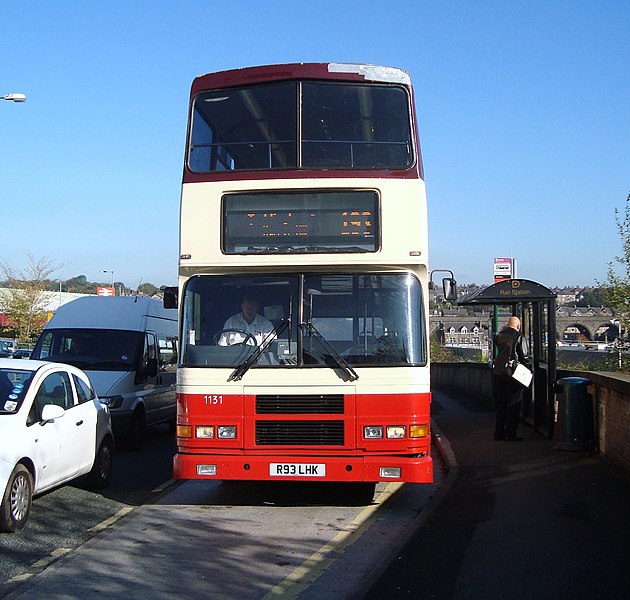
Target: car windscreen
14, 384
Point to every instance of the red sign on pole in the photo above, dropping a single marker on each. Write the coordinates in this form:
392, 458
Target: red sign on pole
105, 291
503, 269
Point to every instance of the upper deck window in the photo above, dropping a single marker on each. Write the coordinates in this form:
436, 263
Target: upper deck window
306, 125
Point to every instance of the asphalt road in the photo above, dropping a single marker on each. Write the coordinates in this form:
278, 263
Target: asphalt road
65, 518
146, 536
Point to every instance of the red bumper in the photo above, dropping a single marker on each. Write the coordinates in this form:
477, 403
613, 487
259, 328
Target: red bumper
413, 469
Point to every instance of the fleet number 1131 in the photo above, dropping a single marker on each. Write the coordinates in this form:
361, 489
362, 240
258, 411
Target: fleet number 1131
213, 399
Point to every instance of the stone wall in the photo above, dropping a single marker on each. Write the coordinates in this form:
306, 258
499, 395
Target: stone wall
472, 378
610, 391
611, 404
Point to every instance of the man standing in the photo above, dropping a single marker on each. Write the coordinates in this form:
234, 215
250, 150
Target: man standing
508, 393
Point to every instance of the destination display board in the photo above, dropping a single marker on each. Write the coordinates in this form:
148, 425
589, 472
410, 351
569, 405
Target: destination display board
300, 222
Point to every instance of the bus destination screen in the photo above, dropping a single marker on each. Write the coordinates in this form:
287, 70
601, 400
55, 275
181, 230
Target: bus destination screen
300, 222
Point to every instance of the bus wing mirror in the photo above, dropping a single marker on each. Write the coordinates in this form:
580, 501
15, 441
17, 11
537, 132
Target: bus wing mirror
449, 286
170, 297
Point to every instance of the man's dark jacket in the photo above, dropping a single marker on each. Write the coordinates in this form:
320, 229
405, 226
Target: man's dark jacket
506, 348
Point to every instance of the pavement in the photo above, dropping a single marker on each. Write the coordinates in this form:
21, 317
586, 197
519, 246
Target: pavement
514, 519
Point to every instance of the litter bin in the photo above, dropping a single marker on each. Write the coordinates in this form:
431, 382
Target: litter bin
574, 427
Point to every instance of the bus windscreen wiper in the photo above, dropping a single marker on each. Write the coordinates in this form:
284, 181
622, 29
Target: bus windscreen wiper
252, 359
339, 360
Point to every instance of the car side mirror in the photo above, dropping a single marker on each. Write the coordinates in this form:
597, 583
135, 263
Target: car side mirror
50, 412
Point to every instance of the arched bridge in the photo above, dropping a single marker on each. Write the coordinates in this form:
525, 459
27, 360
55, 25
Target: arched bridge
581, 324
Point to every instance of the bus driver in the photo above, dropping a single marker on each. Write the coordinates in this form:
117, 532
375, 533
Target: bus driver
248, 320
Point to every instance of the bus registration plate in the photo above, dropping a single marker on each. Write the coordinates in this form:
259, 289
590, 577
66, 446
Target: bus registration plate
297, 470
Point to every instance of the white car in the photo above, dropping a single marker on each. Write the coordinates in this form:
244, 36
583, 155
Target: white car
52, 429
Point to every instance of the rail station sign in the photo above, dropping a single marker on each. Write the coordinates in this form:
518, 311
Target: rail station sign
105, 291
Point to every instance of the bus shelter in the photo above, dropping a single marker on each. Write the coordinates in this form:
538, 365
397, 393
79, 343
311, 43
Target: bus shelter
535, 305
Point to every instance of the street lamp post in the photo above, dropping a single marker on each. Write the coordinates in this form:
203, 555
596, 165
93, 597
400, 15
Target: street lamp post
619, 341
15, 97
112, 272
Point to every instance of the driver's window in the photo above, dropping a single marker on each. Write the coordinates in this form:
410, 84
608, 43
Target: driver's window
226, 318
55, 389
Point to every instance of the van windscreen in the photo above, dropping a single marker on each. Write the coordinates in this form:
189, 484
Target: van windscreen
90, 349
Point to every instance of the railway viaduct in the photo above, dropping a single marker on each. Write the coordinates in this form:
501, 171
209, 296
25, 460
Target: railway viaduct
584, 324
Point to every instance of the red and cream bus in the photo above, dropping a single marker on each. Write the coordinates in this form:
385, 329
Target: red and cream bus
303, 278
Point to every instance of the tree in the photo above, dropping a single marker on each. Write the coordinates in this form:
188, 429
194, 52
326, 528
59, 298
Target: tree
76, 284
147, 289
618, 289
23, 300
591, 297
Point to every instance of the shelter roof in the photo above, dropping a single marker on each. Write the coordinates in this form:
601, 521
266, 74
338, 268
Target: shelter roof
509, 291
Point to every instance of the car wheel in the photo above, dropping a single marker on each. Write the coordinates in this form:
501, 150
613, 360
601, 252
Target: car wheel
17, 500
98, 477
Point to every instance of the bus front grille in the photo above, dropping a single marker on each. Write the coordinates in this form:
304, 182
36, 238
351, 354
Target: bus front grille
306, 433
300, 404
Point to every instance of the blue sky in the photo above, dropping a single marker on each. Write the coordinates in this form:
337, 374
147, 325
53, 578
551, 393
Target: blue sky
523, 108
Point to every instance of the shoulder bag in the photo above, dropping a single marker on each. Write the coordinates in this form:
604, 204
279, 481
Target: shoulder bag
521, 374
519, 371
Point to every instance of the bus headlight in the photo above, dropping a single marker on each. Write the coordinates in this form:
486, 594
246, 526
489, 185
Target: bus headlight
416, 431
395, 432
227, 432
373, 432
204, 431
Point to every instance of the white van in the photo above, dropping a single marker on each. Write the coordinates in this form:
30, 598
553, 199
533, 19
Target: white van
128, 348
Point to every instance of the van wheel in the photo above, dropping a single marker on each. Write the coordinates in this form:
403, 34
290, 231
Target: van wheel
98, 477
17, 500
137, 429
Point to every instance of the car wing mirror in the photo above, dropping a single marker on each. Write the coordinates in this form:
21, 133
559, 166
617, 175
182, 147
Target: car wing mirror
50, 412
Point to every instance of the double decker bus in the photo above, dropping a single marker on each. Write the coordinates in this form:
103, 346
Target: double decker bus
303, 278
